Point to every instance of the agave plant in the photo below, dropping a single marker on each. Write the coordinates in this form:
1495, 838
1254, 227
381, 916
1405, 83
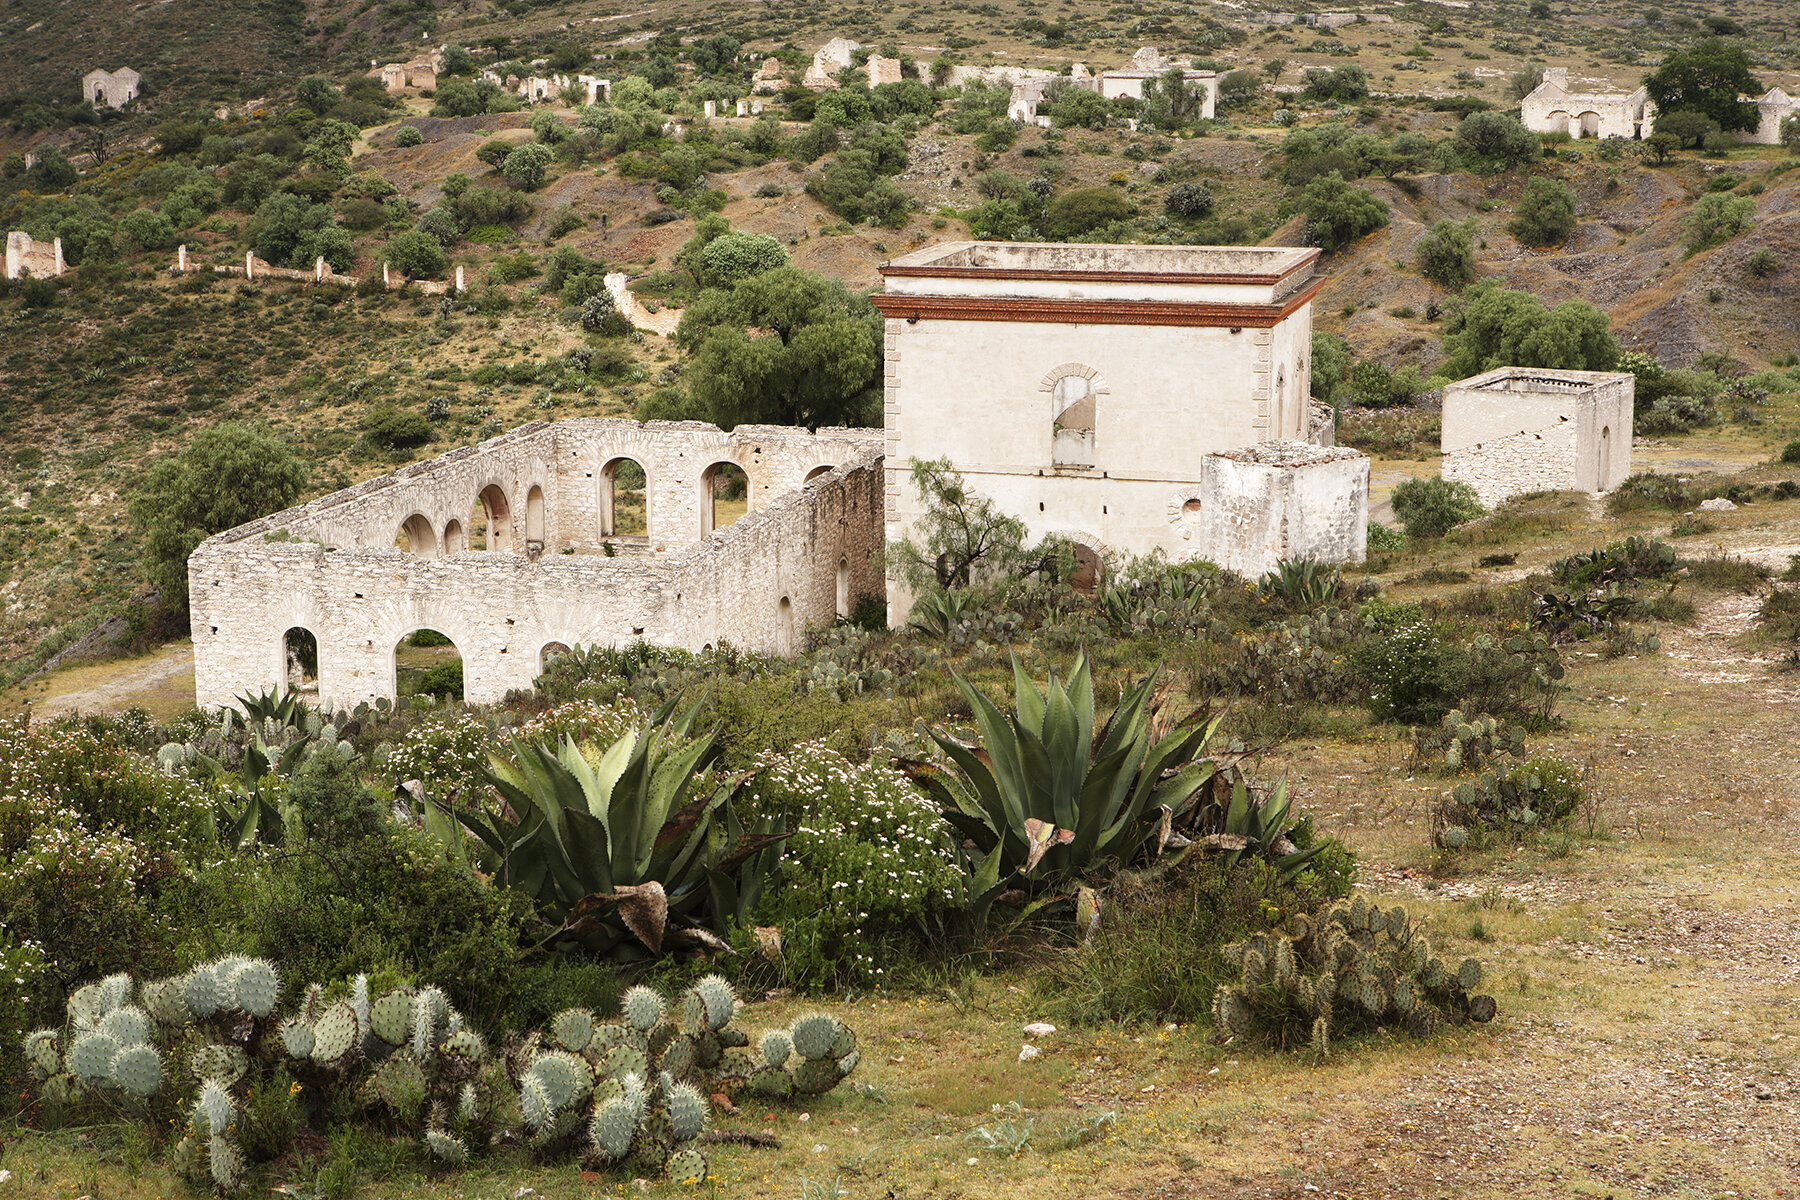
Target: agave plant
1244, 826
1304, 583
936, 614
1047, 799
631, 853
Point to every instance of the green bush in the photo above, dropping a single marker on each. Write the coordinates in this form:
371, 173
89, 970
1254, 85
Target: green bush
396, 428
1496, 326
1188, 201
1717, 217
1084, 210
416, 254
1433, 506
734, 256
408, 135
1546, 213
526, 166
1763, 262
1790, 453
1446, 254
1338, 214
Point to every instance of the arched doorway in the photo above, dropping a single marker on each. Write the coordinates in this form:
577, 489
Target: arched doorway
813, 474
551, 650
534, 520
1587, 125
1559, 122
624, 499
300, 661
427, 663
416, 536
843, 587
784, 628
724, 496
1089, 569
490, 520
455, 539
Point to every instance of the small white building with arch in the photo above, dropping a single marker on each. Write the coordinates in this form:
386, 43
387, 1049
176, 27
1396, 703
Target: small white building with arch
1554, 107
1531, 429
582, 532
111, 89
1088, 390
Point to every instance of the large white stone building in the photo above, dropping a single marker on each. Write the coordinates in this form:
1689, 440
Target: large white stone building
1530, 429
1554, 107
1090, 391
111, 89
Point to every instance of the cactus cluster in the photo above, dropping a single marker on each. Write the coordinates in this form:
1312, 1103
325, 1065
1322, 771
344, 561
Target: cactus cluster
1349, 968
630, 1090
1462, 743
1511, 800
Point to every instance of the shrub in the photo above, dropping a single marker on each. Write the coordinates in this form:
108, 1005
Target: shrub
1546, 213
1084, 210
1718, 217
1492, 141
734, 256
1790, 453
1510, 801
1188, 201
1338, 214
408, 135
1433, 506
1496, 326
1446, 254
1763, 262
146, 229
1345, 84
396, 428
526, 166
416, 254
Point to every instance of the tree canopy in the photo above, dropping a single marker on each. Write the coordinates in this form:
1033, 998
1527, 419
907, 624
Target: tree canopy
783, 347
1499, 327
229, 474
1711, 78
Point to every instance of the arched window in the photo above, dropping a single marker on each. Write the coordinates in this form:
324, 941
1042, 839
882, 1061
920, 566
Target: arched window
843, 587
427, 663
490, 520
455, 539
534, 520
416, 536
300, 661
1074, 403
818, 471
724, 496
624, 499
551, 650
784, 628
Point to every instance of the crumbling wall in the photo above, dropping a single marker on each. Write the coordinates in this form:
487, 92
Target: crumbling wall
1517, 430
1264, 504
331, 567
25, 257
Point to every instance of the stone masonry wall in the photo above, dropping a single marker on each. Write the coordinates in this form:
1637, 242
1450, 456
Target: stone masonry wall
805, 551
1275, 501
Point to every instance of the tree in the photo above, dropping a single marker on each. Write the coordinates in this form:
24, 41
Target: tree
784, 347
416, 254
1522, 82
1717, 217
229, 474
147, 229
1498, 327
1708, 79
1546, 213
998, 221
1084, 210
962, 533
1407, 154
1662, 145
526, 166
1491, 141
1790, 133
1689, 126
292, 229
1238, 88
1337, 214
1446, 254
51, 170
317, 93
1330, 363
1431, 507
1346, 84
854, 188
408, 135
734, 256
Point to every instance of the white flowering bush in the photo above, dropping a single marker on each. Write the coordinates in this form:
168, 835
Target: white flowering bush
445, 755
869, 860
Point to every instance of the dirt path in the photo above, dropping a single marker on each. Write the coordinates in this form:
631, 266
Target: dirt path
162, 682
662, 321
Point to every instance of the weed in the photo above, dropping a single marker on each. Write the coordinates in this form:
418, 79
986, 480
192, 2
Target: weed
1008, 1137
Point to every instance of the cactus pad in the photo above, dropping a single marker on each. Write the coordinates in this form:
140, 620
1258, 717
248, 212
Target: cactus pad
708, 1049
625, 1060
816, 1076
466, 1043
642, 1008
127, 1025
224, 1065
566, 1078
812, 1036
214, 1110
613, 1128
678, 1056
687, 1167
777, 1047
774, 1083
255, 987
735, 1066
165, 1002
200, 988
390, 1017
720, 1000
1482, 1008
1321, 1036
1468, 975
297, 1038
90, 1058
687, 1112
398, 1083
692, 1016
446, 1148
1404, 997
226, 1164
43, 1050
573, 1029
534, 1103
843, 1041
336, 1035
115, 991
137, 1070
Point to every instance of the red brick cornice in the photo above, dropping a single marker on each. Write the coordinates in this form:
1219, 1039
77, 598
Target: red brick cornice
1093, 312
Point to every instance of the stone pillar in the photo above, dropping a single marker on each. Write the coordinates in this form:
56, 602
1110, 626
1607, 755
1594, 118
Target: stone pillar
60, 267
459, 277
743, 108
181, 257
387, 284
319, 269
712, 109
250, 265
756, 108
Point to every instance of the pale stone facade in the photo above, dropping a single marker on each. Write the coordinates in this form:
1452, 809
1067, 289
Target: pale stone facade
111, 89
25, 257
768, 77
1148, 65
831, 58
1264, 504
1082, 387
365, 567
1553, 107
1772, 108
420, 74
883, 70
1528, 429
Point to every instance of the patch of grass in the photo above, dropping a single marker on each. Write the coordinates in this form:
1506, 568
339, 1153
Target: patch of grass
1724, 573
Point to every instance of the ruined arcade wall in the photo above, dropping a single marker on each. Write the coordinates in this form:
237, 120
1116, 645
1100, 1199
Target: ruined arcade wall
331, 567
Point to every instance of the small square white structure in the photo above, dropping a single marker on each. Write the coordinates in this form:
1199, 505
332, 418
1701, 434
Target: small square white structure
1264, 504
1528, 429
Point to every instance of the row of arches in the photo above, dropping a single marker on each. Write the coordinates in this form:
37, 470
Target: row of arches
488, 526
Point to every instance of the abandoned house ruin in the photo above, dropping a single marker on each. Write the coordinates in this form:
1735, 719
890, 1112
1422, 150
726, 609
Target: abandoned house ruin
1126, 397
111, 89
1529, 429
582, 532
27, 258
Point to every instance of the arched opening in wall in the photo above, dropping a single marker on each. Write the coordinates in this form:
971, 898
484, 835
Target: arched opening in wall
1605, 458
724, 496
784, 628
300, 661
1557, 120
1089, 570
1588, 125
843, 587
456, 540
427, 663
551, 650
490, 520
1074, 402
818, 471
624, 508
534, 520
416, 536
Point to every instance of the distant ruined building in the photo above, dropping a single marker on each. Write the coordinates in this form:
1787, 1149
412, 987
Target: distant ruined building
111, 89
420, 74
26, 258
1553, 107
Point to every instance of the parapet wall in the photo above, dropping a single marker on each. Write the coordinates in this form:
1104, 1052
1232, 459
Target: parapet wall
803, 553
